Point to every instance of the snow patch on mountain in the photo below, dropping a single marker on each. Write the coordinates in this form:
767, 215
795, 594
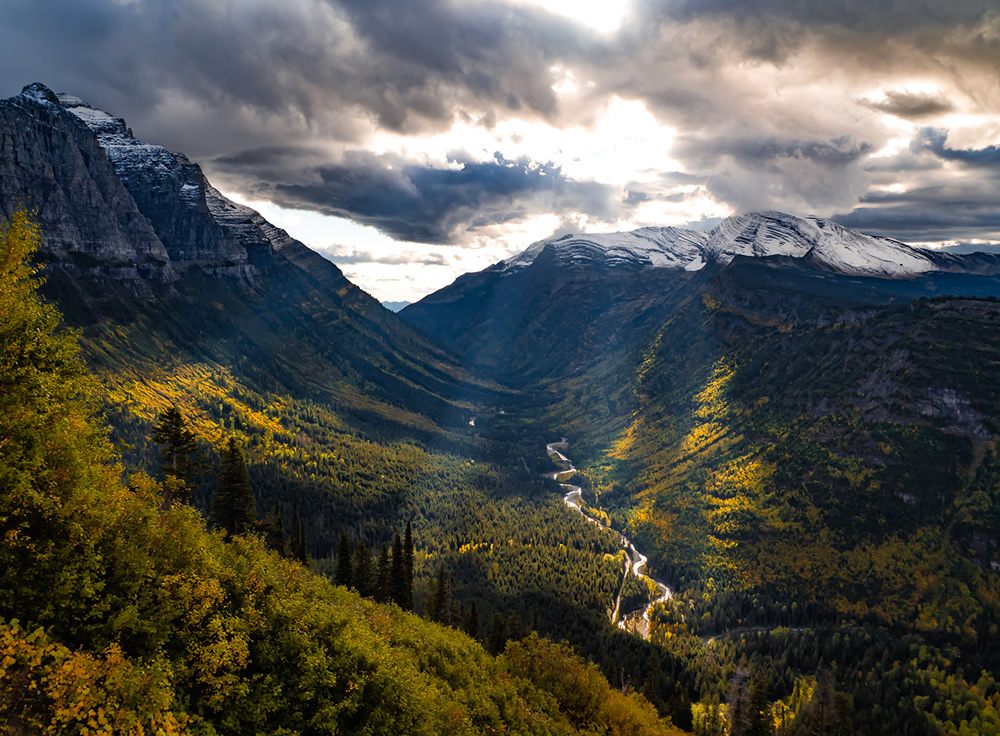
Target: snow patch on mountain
757, 234
656, 247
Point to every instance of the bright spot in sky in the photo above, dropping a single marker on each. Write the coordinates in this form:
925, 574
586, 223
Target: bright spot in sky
601, 15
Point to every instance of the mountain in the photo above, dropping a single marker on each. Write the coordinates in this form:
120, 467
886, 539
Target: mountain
135, 234
577, 297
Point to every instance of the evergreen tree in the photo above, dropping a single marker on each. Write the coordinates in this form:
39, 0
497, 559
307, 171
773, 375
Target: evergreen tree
233, 506
344, 575
497, 638
273, 530
739, 704
297, 540
383, 574
408, 552
398, 590
471, 622
179, 454
439, 607
362, 569
761, 723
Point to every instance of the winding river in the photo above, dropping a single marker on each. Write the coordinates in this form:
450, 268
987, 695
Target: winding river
637, 620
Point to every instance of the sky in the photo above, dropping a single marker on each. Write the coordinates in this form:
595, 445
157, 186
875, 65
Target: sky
411, 141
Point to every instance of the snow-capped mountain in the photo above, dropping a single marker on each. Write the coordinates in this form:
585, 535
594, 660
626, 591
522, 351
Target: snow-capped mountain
755, 234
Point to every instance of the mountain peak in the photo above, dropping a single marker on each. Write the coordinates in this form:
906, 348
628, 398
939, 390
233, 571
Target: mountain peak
754, 234
40, 93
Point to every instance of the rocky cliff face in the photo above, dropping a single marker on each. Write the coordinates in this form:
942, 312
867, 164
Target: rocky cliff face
117, 211
92, 228
172, 192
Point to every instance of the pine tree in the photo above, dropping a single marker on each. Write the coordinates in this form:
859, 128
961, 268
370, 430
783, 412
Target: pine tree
497, 638
179, 454
398, 590
739, 704
344, 575
471, 623
408, 552
439, 606
273, 529
362, 569
297, 539
233, 506
383, 576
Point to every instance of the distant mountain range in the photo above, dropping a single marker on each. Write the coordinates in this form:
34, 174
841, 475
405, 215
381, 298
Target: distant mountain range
607, 289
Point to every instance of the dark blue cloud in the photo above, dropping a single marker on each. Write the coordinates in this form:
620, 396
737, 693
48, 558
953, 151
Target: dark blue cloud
756, 152
438, 205
935, 140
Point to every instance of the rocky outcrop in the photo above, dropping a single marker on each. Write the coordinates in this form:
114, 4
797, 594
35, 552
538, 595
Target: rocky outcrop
173, 193
116, 212
54, 165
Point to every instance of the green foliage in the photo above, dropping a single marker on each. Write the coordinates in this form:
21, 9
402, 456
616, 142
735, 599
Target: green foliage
180, 457
233, 506
132, 619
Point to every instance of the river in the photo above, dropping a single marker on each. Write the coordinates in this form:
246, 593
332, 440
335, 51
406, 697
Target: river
637, 620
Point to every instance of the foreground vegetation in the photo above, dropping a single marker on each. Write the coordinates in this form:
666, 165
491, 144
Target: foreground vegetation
121, 614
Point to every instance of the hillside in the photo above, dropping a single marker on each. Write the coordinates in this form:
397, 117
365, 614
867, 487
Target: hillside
818, 477
565, 304
121, 615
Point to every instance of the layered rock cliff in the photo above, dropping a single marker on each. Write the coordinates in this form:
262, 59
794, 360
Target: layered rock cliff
54, 165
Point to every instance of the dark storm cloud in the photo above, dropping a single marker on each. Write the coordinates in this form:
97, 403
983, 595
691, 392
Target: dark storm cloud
278, 90
438, 205
936, 140
911, 105
935, 220
757, 152
855, 15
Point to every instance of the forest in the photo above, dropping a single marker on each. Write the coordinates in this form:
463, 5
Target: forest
196, 543
122, 612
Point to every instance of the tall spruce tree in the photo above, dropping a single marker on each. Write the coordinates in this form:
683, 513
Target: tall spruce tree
471, 623
344, 574
362, 569
382, 592
408, 552
179, 453
399, 592
297, 538
233, 507
273, 530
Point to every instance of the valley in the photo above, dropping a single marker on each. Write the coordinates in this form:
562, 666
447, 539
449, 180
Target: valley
796, 423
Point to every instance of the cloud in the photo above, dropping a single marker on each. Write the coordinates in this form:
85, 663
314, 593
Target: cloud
326, 104
426, 204
347, 255
935, 141
911, 105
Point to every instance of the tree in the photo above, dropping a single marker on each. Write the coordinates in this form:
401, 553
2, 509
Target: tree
739, 704
344, 575
362, 569
233, 507
408, 553
399, 592
471, 623
273, 530
179, 455
297, 538
497, 638
439, 607
382, 582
